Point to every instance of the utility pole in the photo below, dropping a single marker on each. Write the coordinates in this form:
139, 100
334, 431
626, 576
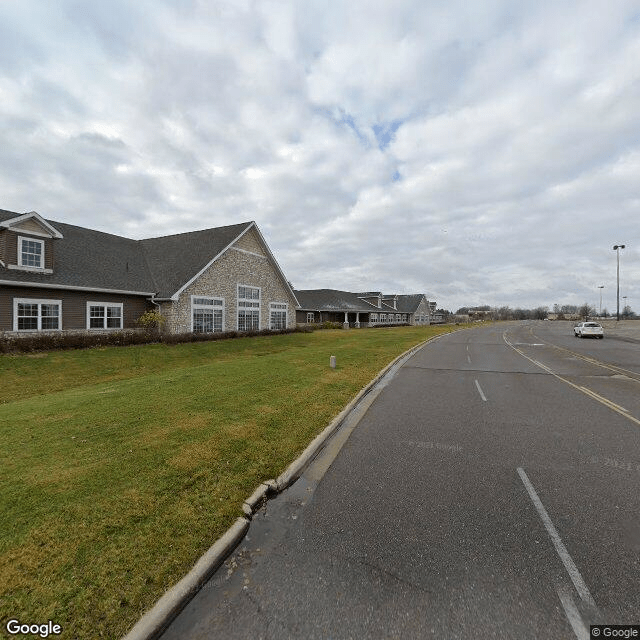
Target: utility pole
601, 287
616, 248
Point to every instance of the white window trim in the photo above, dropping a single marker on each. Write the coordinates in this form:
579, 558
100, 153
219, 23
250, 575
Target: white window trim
207, 306
312, 315
239, 299
29, 267
279, 306
17, 301
105, 304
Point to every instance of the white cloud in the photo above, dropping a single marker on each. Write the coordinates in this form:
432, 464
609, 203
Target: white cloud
483, 152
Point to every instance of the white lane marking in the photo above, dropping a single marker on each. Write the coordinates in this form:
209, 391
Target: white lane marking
480, 391
469, 359
569, 564
573, 615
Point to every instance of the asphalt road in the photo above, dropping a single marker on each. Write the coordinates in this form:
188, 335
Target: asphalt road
491, 490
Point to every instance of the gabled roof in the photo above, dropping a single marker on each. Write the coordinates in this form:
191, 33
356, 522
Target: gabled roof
93, 260
17, 219
409, 303
176, 260
332, 300
87, 259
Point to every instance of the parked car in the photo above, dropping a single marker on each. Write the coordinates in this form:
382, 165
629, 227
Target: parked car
588, 329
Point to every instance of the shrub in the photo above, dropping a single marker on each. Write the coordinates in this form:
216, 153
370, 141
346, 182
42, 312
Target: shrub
82, 340
151, 321
330, 325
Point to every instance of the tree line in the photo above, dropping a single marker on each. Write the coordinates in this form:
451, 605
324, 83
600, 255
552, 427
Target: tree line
560, 312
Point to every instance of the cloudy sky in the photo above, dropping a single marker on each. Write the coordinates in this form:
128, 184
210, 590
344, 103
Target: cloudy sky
482, 152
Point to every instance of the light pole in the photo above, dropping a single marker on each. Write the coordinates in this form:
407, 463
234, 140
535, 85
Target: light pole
601, 287
616, 248
624, 304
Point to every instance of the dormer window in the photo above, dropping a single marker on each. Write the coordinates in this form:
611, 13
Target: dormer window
30, 253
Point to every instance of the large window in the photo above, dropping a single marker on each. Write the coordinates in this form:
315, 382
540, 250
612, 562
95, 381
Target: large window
248, 308
207, 314
278, 315
311, 317
374, 317
30, 253
104, 315
37, 315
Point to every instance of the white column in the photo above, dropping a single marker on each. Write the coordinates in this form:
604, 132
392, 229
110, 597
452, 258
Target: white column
346, 320
357, 325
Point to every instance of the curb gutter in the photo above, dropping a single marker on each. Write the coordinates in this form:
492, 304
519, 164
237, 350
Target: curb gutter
158, 618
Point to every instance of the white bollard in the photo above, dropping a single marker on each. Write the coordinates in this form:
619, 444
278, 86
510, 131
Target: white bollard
332, 362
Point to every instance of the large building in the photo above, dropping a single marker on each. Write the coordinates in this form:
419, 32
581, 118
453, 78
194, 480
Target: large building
57, 277
366, 309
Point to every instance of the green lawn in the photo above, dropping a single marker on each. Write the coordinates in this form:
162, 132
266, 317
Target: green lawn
121, 466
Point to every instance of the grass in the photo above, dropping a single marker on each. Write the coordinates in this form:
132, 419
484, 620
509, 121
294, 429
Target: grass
121, 466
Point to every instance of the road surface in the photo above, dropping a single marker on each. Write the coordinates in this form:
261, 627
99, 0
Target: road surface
491, 490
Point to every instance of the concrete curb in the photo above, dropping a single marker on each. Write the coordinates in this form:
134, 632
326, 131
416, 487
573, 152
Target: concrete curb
158, 618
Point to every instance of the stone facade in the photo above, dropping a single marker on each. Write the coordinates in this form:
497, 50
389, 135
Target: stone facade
421, 312
245, 263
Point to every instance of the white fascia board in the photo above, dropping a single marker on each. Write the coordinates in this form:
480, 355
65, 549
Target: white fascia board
251, 225
40, 285
28, 216
375, 306
275, 262
176, 295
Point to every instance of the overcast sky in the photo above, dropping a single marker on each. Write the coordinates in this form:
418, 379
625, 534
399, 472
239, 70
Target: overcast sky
481, 152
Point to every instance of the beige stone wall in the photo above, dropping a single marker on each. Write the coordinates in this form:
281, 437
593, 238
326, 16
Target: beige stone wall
250, 241
221, 280
422, 310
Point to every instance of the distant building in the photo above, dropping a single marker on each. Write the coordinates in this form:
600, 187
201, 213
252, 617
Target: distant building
365, 309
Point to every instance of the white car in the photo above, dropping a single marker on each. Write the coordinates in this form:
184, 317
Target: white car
588, 329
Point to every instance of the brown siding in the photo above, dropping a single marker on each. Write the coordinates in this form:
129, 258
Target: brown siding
74, 305
9, 248
3, 243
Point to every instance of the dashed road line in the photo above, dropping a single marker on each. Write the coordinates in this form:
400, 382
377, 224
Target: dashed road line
561, 550
573, 615
484, 398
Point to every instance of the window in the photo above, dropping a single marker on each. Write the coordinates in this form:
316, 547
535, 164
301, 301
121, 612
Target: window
278, 315
207, 315
30, 253
311, 317
104, 315
374, 317
37, 315
248, 308
404, 317
383, 317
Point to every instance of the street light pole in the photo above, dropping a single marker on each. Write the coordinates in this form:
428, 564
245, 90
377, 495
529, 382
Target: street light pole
601, 287
616, 248
624, 304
